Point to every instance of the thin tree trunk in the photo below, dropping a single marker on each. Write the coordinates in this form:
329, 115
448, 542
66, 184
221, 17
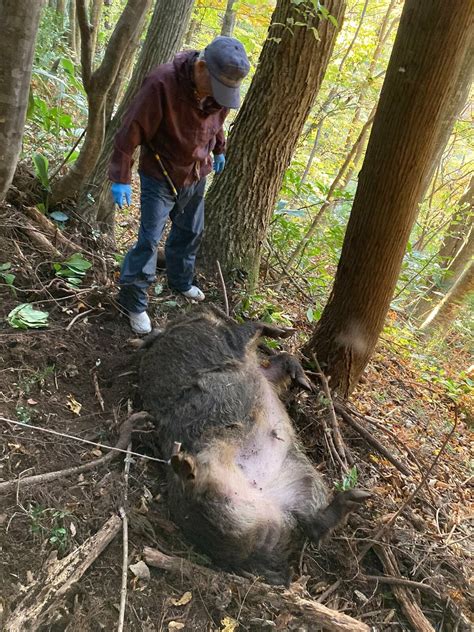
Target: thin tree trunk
164, 37
61, 11
96, 12
428, 52
329, 201
385, 29
97, 85
445, 312
72, 27
332, 93
228, 22
19, 20
241, 200
192, 30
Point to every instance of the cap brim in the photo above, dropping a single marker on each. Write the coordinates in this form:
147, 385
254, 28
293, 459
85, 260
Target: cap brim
225, 96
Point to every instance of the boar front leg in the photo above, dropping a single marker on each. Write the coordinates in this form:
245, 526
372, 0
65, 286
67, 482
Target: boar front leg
282, 369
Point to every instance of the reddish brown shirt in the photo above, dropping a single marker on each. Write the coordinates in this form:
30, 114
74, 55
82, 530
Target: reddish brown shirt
167, 116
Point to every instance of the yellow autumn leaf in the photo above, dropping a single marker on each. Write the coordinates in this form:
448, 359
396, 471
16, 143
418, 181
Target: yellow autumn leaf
229, 625
73, 405
182, 601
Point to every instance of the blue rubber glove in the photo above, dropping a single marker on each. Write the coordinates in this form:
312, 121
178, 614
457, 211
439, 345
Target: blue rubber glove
219, 162
119, 191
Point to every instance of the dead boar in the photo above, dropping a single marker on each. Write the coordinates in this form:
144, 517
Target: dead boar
241, 488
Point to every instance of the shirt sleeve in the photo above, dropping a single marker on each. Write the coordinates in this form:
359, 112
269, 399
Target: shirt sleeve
219, 147
140, 125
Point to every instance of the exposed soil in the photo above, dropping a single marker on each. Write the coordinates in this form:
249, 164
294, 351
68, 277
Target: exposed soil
47, 380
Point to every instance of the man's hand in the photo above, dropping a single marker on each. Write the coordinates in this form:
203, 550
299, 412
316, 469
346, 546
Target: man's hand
119, 191
219, 162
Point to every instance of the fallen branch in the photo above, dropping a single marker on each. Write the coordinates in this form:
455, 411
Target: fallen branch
124, 517
56, 579
402, 581
39, 240
410, 608
126, 430
371, 440
257, 592
342, 451
224, 289
98, 394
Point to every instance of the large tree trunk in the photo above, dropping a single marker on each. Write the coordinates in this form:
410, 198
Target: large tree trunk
97, 85
228, 22
164, 37
19, 20
429, 49
288, 76
445, 312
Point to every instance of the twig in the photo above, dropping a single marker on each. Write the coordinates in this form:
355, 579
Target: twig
123, 515
98, 394
78, 316
125, 433
342, 451
401, 581
224, 289
375, 443
307, 610
410, 608
55, 173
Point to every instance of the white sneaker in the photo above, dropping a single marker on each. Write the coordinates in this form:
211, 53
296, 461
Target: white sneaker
194, 293
140, 322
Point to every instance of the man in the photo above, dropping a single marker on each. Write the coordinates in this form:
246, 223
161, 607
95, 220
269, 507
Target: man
177, 117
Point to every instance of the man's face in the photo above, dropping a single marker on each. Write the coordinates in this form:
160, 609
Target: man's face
202, 79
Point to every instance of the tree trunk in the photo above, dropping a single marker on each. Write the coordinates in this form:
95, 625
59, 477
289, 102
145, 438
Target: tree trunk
72, 28
164, 37
228, 22
96, 12
429, 49
288, 76
192, 30
446, 310
97, 85
19, 20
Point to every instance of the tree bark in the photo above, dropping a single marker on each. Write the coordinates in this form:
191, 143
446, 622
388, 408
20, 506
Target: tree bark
164, 37
288, 76
19, 20
97, 85
445, 312
429, 48
228, 22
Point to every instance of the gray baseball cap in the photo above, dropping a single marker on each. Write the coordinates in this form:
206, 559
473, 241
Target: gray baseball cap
227, 64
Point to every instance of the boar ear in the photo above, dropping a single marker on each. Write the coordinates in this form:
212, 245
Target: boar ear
184, 466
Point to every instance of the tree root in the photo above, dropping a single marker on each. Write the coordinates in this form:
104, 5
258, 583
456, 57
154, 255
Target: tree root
257, 592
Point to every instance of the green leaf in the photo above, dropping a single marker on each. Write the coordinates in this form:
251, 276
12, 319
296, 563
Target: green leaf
78, 262
41, 167
25, 316
5, 266
68, 66
310, 314
31, 104
9, 278
158, 289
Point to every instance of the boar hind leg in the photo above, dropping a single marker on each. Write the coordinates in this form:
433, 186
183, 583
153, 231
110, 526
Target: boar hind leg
334, 514
284, 368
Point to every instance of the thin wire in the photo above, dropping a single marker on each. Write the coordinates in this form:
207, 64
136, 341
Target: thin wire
80, 439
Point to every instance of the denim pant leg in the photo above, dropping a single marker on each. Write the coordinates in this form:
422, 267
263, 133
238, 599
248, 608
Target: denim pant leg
185, 236
139, 266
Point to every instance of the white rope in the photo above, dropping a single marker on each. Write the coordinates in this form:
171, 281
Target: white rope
81, 440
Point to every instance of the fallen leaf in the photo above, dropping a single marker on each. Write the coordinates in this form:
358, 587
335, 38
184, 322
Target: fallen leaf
182, 601
72, 529
31, 402
73, 405
229, 625
29, 577
140, 570
175, 625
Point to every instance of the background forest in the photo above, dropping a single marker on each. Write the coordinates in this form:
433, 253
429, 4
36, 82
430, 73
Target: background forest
345, 210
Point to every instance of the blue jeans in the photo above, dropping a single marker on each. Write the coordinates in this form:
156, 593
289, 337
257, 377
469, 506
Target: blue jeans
187, 217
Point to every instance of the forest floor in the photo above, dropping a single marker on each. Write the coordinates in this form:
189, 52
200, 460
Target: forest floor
78, 377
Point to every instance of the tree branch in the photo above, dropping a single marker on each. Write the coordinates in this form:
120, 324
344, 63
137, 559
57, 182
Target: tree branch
86, 43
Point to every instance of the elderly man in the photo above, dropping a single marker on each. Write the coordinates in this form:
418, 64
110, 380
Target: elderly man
177, 117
